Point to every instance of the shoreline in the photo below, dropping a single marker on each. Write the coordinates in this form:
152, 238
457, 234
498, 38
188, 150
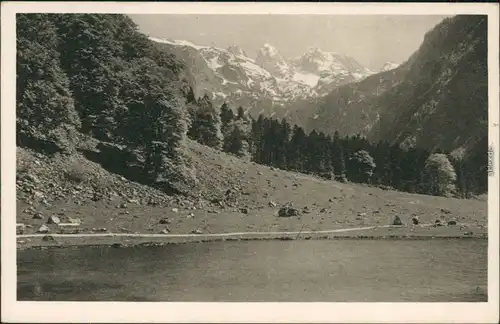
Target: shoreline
384, 232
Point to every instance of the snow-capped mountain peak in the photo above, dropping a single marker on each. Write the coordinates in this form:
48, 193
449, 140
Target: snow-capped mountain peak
269, 58
235, 49
269, 50
231, 76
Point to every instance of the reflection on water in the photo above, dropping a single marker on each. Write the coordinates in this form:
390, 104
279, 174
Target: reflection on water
328, 270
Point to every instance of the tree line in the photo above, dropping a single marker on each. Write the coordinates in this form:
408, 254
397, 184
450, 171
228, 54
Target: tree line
279, 144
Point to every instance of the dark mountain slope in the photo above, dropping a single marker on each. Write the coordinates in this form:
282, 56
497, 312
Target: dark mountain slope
437, 99
346, 109
443, 102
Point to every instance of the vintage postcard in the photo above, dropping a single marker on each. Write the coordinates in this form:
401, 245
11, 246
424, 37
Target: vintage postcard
250, 162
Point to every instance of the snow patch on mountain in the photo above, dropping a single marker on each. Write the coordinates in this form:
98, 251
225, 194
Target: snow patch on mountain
309, 79
389, 66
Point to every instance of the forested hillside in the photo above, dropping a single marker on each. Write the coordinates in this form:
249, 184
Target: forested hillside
97, 75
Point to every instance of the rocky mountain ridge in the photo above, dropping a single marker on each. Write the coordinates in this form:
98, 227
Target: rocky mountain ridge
269, 80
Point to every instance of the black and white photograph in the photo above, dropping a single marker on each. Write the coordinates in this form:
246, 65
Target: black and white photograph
259, 156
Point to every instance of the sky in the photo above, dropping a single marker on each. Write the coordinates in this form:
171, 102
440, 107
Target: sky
372, 40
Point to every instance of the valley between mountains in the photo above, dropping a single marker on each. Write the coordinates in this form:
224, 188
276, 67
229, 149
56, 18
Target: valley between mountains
124, 133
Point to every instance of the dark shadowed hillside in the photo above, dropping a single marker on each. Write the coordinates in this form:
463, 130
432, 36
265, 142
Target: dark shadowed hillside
436, 100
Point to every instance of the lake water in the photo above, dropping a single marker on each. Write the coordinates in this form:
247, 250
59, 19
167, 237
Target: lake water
315, 270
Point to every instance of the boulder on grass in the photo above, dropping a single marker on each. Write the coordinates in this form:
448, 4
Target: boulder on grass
288, 212
53, 220
397, 221
43, 229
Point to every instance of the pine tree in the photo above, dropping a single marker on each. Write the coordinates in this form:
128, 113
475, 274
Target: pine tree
190, 96
236, 138
337, 156
257, 139
395, 164
296, 151
282, 144
241, 113
313, 153
226, 115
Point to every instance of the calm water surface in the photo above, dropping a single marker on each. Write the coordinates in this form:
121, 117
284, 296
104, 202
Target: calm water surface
323, 270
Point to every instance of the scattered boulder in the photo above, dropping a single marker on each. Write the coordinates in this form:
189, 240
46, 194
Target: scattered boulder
32, 178
38, 216
415, 220
288, 212
165, 221
397, 221
166, 230
361, 214
74, 220
29, 210
175, 210
445, 211
196, 231
53, 220
191, 215
469, 233
152, 201
122, 205
272, 204
438, 222
323, 210
305, 210
48, 238
244, 210
43, 229
452, 222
